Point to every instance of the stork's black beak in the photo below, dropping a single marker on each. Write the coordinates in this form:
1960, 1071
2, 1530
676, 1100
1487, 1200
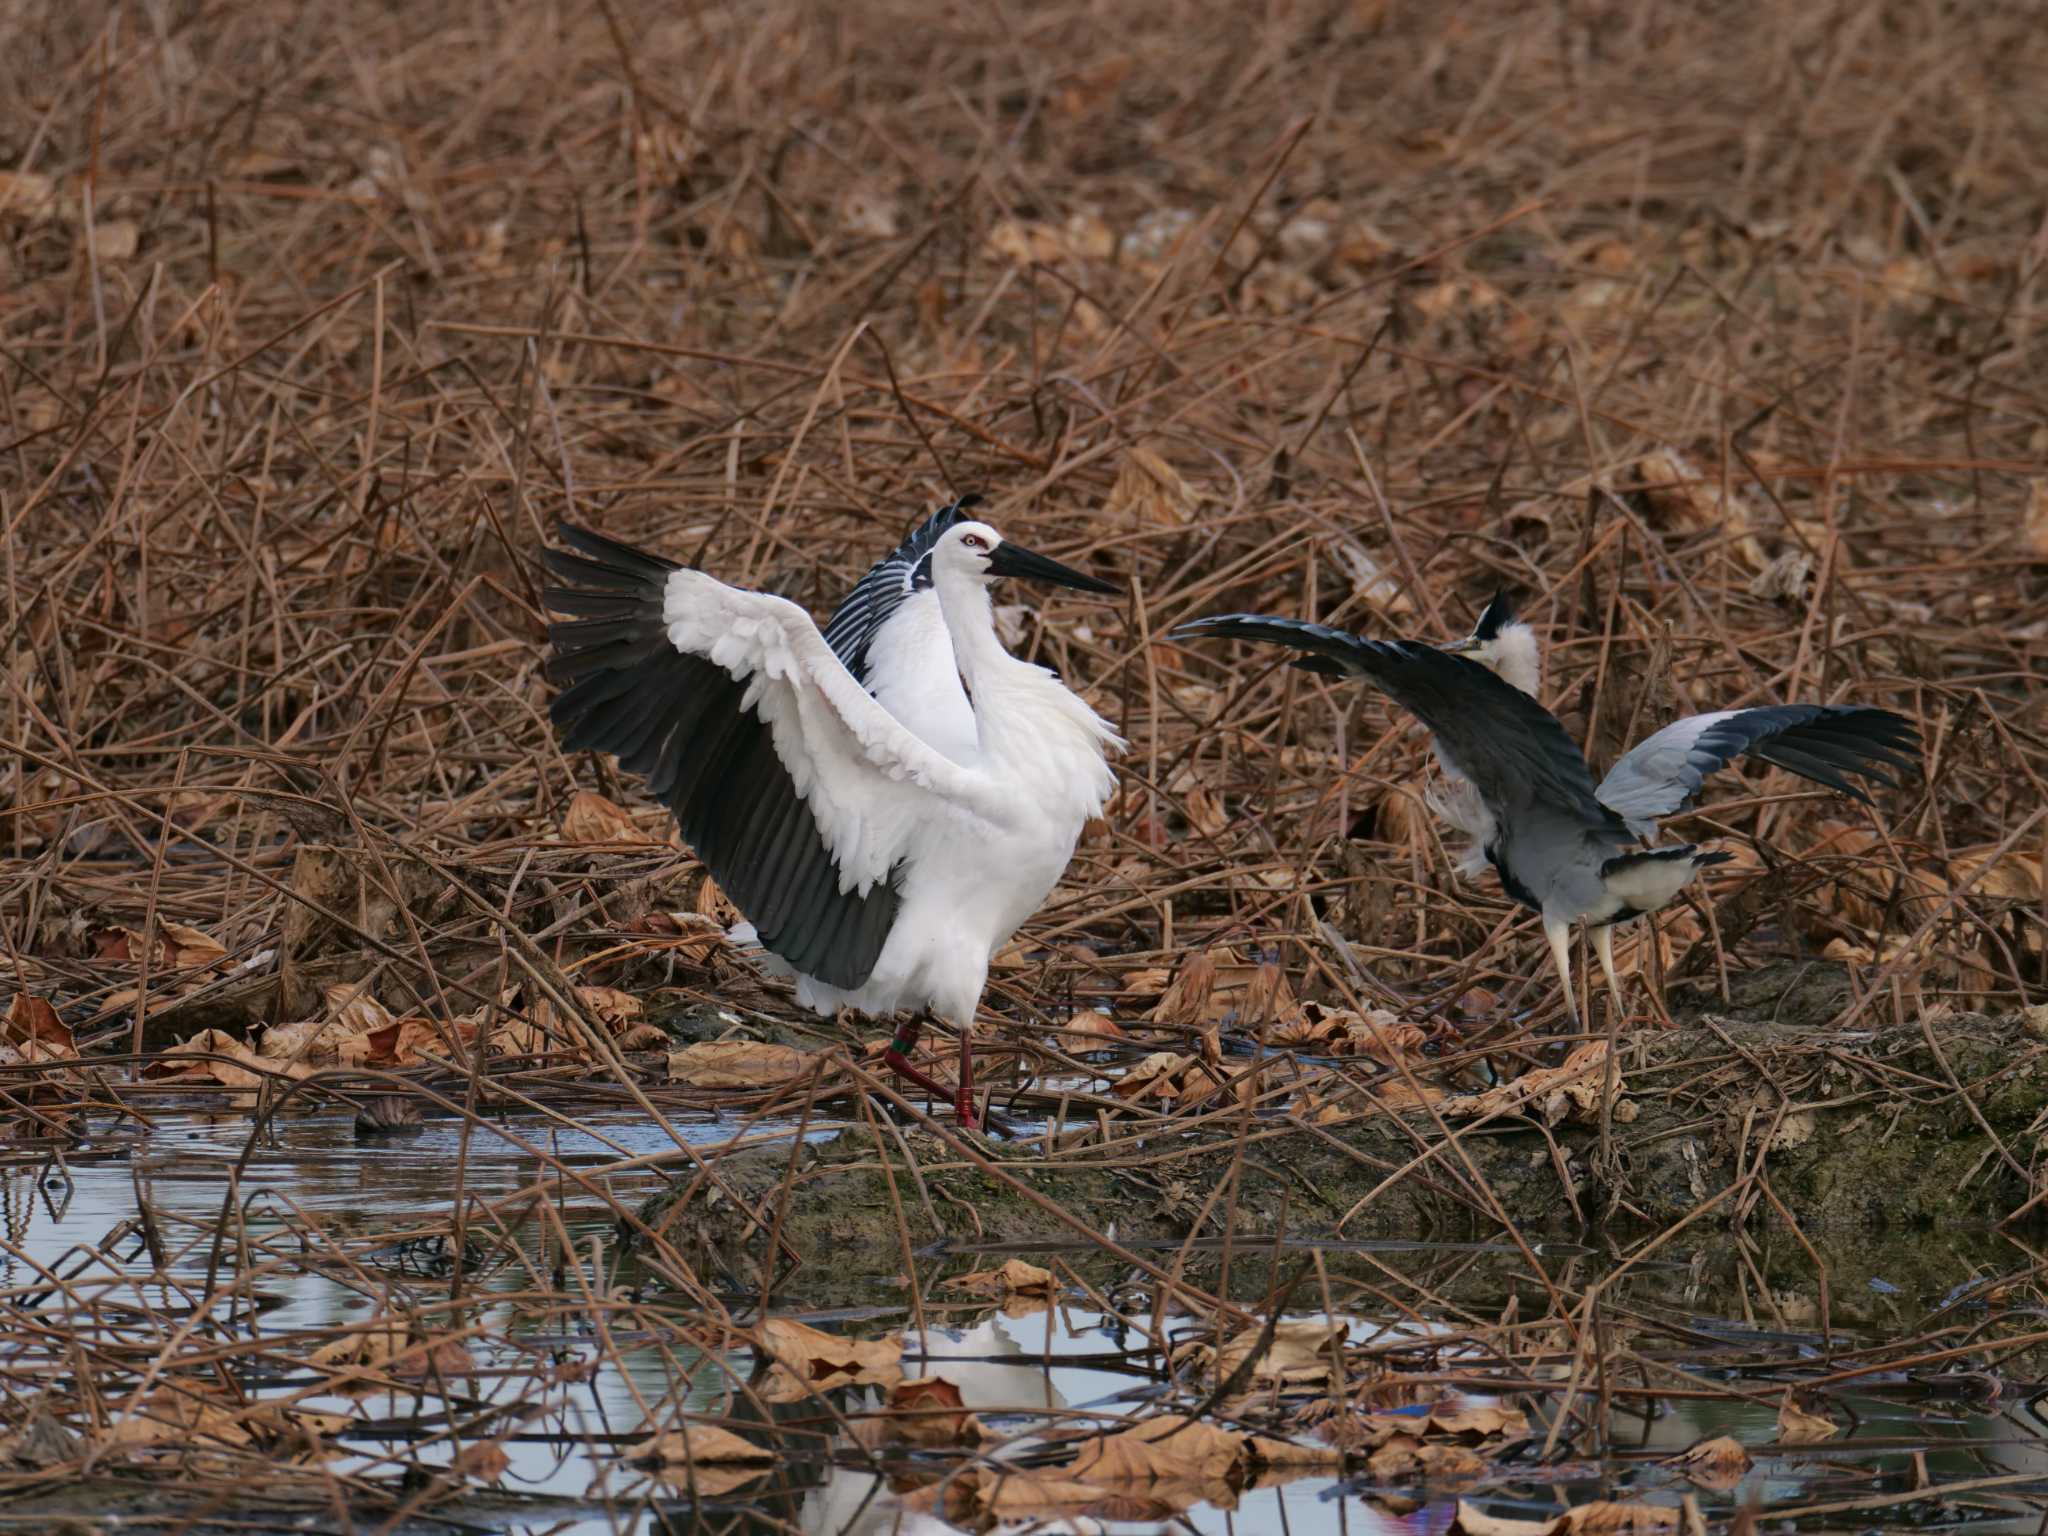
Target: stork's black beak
1008, 559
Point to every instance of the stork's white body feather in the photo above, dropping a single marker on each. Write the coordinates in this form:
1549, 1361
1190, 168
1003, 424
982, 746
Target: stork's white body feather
975, 799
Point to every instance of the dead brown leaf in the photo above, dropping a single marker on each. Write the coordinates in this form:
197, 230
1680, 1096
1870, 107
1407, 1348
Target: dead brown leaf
1798, 1427
931, 1411
187, 1062
1570, 1090
822, 1361
33, 1028
1719, 1463
610, 1007
1169, 1449
2034, 521
1087, 1027
590, 818
353, 1007
1603, 1515
1186, 1002
28, 196
1696, 503
1150, 491
484, 1461
1013, 1278
1474, 1521
116, 239
642, 1037
697, 1442
1301, 1352
1165, 1077
1406, 1460
738, 1064
406, 1042
173, 1419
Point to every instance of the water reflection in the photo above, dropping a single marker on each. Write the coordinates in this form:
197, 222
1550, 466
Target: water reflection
135, 1232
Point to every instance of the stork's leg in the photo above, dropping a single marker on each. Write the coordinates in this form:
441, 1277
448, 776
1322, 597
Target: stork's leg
1560, 936
1603, 946
897, 1059
963, 1095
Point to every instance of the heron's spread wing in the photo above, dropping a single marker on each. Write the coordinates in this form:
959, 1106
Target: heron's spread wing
887, 586
1823, 742
1529, 776
799, 791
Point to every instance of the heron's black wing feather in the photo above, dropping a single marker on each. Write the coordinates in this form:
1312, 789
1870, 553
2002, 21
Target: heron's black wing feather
1664, 772
678, 721
1532, 778
886, 587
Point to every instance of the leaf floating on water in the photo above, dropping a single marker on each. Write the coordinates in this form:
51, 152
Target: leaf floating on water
1407, 1460
1011, 1494
1798, 1427
176, 1420
1719, 1463
808, 1359
1269, 1452
1167, 1449
1087, 1025
931, 1411
1604, 1515
483, 1462
1300, 1353
1474, 1521
702, 1458
697, 1442
1594, 1519
737, 1064
1014, 1278
199, 1060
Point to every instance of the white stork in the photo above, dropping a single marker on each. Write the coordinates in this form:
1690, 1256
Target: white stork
885, 802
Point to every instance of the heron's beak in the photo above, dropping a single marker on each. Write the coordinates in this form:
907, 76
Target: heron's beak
1464, 647
1009, 559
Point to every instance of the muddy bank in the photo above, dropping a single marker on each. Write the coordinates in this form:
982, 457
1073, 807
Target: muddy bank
1840, 1132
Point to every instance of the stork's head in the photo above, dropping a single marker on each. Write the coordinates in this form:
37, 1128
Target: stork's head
1505, 646
978, 553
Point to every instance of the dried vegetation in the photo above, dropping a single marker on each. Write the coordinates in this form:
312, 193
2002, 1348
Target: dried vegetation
1714, 341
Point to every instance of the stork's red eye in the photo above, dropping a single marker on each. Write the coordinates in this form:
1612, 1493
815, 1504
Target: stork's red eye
973, 541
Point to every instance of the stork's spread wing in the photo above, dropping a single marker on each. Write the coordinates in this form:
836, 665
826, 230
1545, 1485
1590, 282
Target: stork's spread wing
798, 790
1822, 742
1532, 779
885, 588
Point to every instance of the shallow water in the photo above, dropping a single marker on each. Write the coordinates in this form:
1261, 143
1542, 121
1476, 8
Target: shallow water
1014, 1370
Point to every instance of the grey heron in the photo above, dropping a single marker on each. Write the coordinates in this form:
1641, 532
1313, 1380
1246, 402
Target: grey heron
886, 801
1514, 781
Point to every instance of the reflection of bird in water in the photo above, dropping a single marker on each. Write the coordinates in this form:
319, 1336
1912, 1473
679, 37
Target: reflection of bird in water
994, 1376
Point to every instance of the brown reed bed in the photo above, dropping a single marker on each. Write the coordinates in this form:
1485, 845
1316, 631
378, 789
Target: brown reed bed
1713, 338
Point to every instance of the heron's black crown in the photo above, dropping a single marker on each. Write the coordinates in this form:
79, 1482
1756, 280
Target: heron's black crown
1499, 614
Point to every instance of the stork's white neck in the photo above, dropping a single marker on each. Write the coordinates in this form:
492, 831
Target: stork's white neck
1026, 720
971, 622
